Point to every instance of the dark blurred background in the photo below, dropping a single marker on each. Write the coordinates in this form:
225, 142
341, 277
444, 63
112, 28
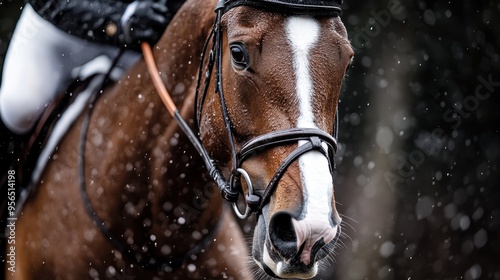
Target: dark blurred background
417, 179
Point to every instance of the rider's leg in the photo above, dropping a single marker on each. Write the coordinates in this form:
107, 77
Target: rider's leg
38, 66
19, 62
32, 72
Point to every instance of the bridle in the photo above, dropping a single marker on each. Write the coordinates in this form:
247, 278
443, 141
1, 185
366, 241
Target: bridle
315, 139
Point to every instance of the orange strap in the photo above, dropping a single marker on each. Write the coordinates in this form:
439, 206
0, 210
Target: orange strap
157, 81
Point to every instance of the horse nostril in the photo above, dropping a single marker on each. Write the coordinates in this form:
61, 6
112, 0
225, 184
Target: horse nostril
282, 234
317, 246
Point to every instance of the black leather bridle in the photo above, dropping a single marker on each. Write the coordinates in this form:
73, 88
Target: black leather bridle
315, 139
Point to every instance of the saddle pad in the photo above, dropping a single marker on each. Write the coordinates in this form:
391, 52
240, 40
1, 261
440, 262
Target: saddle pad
93, 74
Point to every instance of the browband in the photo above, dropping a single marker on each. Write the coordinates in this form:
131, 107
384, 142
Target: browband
296, 7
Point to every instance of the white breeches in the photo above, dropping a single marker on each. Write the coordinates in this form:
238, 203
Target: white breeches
38, 65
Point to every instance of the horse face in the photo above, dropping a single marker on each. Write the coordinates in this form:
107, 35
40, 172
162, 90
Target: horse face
282, 72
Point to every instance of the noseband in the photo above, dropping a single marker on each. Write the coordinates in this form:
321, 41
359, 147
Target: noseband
311, 138
314, 140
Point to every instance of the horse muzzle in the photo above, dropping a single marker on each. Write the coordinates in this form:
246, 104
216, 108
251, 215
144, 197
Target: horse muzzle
292, 248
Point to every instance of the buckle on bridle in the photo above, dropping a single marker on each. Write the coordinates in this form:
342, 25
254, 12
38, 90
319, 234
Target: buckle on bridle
252, 200
315, 142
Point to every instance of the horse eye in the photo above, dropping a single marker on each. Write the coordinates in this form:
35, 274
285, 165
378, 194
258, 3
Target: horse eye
239, 56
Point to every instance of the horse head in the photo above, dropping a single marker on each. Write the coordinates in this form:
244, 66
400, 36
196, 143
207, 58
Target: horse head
268, 123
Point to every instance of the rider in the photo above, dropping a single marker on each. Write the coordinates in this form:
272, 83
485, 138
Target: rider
53, 37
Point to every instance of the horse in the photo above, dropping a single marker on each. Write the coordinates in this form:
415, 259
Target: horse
257, 84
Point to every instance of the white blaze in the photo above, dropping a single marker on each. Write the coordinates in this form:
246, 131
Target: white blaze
303, 33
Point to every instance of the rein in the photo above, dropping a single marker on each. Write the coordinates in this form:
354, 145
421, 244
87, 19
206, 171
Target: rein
314, 138
214, 172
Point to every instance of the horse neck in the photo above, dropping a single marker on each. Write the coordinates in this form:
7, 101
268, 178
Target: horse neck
145, 148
